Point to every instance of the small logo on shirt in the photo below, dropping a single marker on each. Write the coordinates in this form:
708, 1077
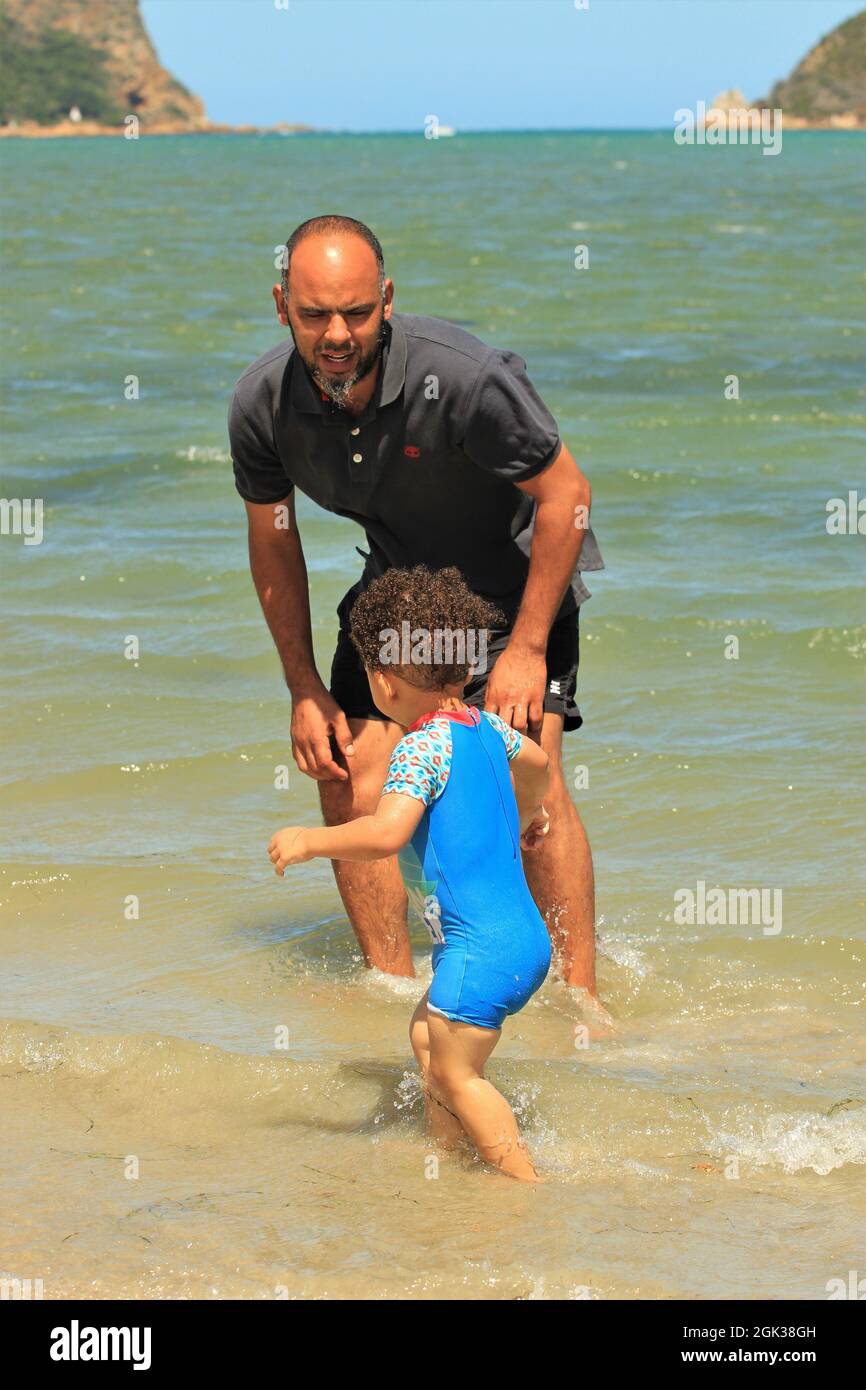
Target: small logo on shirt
555, 687
412, 451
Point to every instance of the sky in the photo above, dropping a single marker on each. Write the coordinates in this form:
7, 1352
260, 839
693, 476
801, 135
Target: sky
386, 65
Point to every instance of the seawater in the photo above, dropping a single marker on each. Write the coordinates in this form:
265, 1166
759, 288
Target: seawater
157, 1142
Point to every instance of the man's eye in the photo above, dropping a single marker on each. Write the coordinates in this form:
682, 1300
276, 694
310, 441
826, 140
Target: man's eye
350, 314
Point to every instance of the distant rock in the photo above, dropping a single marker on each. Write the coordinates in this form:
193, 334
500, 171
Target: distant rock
83, 67
135, 82
724, 113
728, 101
828, 88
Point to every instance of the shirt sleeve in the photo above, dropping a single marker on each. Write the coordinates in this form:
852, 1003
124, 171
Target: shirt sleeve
420, 764
508, 430
513, 739
259, 473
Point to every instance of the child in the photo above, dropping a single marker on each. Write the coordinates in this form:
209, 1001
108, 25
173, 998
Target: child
448, 809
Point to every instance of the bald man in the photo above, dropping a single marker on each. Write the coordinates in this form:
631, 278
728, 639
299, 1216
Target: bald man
441, 449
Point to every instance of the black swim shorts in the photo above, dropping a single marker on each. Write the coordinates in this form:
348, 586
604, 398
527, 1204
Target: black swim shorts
350, 687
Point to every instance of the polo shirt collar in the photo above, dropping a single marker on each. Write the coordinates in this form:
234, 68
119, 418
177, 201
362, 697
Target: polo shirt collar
307, 397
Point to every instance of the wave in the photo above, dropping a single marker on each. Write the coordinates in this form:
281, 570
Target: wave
792, 1142
175, 1078
584, 1115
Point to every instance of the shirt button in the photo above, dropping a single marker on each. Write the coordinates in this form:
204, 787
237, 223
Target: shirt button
355, 430
357, 458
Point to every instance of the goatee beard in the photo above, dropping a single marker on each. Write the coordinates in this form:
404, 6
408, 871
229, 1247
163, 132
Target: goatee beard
339, 391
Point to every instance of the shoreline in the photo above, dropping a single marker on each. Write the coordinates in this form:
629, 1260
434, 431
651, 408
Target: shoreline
29, 130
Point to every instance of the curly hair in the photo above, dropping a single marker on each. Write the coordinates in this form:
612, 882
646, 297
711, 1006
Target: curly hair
427, 626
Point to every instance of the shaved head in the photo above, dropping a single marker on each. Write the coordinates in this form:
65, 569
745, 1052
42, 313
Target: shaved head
335, 300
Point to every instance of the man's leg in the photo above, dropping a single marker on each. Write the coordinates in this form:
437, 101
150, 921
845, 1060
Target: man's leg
373, 894
559, 873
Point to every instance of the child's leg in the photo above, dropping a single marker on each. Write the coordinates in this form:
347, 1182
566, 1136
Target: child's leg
441, 1124
458, 1052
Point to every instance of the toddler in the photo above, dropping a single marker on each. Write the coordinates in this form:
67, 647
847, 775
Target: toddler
462, 795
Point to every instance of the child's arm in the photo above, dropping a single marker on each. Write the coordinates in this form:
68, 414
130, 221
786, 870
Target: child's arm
530, 768
391, 826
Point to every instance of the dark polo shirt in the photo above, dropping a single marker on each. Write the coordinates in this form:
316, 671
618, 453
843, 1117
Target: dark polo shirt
428, 470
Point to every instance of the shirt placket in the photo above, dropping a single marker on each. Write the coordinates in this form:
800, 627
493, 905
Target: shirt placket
356, 455
358, 464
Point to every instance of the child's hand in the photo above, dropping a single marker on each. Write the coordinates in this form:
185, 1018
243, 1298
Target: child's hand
287, 847
537, 826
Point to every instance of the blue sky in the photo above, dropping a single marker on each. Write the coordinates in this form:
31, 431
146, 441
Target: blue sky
479, 64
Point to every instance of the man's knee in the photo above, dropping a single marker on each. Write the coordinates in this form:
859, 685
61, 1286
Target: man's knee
359, 794
347, 800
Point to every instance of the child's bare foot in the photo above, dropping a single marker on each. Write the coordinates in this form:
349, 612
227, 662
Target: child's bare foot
596, 1018
511, 1160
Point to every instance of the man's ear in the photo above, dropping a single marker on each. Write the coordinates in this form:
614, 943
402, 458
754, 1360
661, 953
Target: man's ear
282, 312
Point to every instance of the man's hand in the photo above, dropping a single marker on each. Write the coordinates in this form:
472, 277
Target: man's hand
537, 826
314, 718
288, 847
515, 689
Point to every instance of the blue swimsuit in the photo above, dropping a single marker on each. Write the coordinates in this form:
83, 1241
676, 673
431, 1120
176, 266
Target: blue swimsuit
463, 868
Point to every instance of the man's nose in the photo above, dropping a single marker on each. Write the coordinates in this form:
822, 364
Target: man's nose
337, 333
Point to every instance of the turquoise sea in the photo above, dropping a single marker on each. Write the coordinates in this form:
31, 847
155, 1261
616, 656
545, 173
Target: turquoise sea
713, 1146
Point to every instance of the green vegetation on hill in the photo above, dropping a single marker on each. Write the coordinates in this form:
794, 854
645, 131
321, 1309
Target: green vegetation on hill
43, 77
831, 79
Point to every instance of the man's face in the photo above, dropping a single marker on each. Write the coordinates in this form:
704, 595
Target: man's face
335, 311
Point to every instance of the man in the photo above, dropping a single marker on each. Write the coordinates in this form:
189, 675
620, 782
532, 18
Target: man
440, 448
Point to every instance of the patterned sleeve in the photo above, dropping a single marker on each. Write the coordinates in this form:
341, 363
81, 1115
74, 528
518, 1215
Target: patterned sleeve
513, 739
420, 764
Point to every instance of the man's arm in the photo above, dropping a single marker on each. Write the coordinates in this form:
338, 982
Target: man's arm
508, 431
518, 680
563, 496
280, 575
